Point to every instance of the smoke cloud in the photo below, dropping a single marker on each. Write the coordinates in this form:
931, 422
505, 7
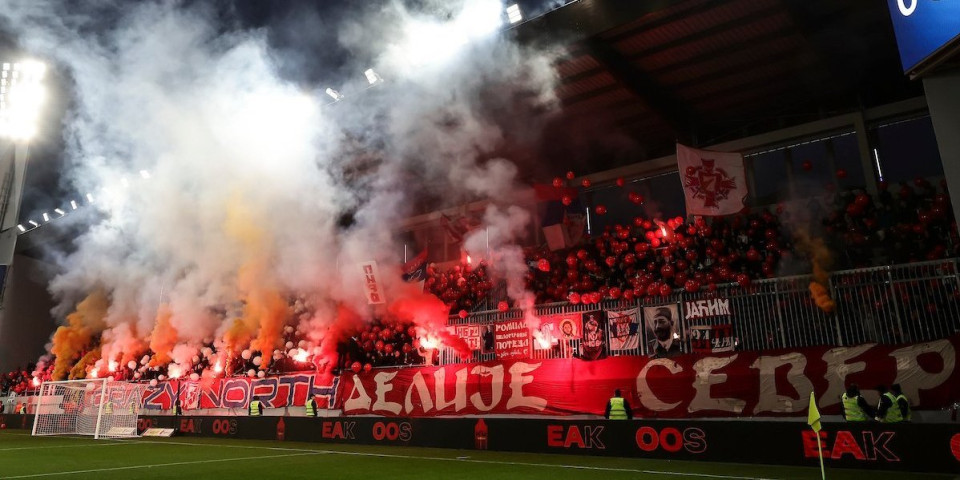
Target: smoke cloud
259, 194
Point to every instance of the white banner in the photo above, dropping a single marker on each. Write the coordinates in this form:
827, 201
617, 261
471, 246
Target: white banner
714, 183
371, 282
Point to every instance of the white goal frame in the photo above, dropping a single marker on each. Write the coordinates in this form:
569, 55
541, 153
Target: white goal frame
86, 407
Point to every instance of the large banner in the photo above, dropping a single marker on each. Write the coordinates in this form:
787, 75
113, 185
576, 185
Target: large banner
771, 383
283, 391
372, 285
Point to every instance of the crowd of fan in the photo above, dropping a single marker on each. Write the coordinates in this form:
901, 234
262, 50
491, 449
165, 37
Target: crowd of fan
654, 257
649, 258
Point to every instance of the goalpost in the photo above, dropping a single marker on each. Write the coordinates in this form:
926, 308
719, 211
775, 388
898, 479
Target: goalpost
98, 407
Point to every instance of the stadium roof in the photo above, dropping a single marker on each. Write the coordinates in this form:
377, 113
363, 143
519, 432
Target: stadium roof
707, 71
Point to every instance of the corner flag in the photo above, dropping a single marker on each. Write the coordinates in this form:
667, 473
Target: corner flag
813, 415
813, 419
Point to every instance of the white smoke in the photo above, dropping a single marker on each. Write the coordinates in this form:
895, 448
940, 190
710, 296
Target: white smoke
251, 175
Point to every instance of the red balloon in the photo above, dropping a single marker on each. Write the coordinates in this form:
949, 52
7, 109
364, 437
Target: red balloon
665, 290
566, 200
388, 348
841, 173
600, 210
582, 254
807, 165
571, 176
611, 261
367, 367
586, 183
628, 295
743, 279
557, 182
368, 346
463, 314
614, 292
503, 306
862, 200
573, 298
667, 271
543, 265
691, 286
378, 345
621, 182
753, 255
356, 367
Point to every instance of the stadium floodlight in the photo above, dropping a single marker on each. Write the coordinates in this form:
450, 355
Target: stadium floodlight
145, 174
73, 204
21, 227
335, 95
513, 14
90, 198
59, 211
46, 217
21, 96
372, 77
35, 224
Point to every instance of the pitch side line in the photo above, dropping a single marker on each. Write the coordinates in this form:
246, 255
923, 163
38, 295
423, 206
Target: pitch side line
468, 460
155, 465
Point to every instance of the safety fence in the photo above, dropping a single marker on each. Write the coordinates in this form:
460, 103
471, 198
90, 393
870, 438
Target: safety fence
913, 302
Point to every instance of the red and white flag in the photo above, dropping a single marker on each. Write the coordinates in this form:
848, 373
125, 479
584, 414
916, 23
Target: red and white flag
714, 183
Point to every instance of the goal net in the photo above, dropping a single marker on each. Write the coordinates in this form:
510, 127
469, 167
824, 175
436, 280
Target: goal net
98, 407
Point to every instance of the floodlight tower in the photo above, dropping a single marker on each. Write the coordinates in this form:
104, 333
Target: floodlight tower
21, 97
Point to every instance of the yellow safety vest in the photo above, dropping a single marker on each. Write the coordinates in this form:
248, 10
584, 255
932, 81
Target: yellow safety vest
22, 408
893, 413
851, 409
311, 412
617, 411
255, 408
909, 408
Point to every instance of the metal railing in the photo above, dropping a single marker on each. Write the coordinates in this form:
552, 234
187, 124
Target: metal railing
913, 302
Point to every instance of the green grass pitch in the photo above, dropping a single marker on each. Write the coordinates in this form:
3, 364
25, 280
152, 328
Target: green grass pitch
23, 456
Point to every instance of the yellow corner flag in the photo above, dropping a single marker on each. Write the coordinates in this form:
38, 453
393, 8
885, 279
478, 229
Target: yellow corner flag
813, 419
813, 415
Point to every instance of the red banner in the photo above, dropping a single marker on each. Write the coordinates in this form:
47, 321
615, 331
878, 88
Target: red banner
274, 392
470, 333
512, 339
774, 383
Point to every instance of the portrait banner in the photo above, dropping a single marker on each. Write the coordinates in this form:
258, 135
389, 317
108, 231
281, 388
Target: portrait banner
662, 331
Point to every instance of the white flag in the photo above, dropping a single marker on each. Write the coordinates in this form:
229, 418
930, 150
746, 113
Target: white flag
714, 183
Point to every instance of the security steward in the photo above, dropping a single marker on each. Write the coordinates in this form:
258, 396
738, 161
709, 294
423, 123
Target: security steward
311, 407
888, 411
855, 407
618, 408
902, 401
256, 408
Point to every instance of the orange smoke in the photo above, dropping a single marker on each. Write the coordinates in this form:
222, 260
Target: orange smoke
820, 296
163, 338
77, 335
822, 262
268, 310
80, 369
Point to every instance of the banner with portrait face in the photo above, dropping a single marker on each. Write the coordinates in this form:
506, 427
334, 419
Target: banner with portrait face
562, 327
594, 335
662, 331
